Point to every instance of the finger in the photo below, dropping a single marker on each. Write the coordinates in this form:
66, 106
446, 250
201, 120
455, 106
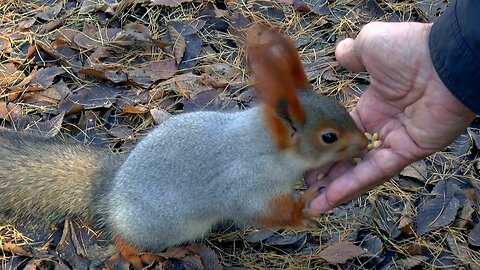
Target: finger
348, 56
311, 177
374, 170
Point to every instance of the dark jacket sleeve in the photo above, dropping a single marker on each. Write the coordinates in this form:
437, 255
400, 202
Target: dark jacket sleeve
455, 50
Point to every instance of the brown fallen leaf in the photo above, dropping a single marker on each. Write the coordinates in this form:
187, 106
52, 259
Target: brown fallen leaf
209, 100
48, 27
14, 248
168, 3
45, 76
297, 239
137, 109
417, 170
406, 219
340, 252
9, 75
51, 12
474, 236
107, 6
193, 44
175, 253
4, 113
461, 251
178, 44
411, 261
121, 132
5, 44
112, 72
208, 257
440, 210
50, 128
465, 216
149, 73
259, 235
159, 115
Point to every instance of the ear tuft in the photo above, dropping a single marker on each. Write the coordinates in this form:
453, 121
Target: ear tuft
279, 74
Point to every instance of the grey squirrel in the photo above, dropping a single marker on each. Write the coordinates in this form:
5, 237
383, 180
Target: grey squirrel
193, 171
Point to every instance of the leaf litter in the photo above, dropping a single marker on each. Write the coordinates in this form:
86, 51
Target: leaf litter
105, 72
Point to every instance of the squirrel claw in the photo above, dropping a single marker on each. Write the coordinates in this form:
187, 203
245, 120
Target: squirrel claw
310, 223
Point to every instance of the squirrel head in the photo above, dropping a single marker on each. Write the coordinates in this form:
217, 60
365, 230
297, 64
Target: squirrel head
316, 128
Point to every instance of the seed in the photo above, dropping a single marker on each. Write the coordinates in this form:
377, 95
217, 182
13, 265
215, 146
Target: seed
368, 135
375, 136
377, 144
357, 160
320, 176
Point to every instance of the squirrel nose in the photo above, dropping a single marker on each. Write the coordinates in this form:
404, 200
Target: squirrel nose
359, 143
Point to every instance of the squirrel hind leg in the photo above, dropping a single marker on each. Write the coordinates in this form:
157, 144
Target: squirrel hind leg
135, 257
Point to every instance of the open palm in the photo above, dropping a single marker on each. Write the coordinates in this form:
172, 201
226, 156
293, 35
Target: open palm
406, 103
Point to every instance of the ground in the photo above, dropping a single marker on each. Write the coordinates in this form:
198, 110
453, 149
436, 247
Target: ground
105, 72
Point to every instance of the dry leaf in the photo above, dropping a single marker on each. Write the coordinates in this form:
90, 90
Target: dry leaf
9, 75
159, 115
14, 248
121, 132
340, 252
417, 170
258, 235
51, 12
5, 45
138, 109
178, 44
175, 253
50, 128
298, 239
474, 236
168, 3
208, 257
411, 262
320, 7
465, 215
193, 43
436, 213
407, 218
459, 249
151, 72
45, 76
4, 113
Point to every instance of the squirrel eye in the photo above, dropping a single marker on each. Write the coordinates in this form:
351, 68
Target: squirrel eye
329, 137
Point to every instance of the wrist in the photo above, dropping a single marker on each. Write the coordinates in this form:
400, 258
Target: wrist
452, 43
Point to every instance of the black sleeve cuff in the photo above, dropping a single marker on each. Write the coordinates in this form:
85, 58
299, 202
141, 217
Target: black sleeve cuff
455, 51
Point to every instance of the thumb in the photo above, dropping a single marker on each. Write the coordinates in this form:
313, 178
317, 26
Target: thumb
348, 56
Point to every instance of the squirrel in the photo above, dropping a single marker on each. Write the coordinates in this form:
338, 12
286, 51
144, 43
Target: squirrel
193, 171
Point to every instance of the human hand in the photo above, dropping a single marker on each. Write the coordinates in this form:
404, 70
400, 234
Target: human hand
406, 103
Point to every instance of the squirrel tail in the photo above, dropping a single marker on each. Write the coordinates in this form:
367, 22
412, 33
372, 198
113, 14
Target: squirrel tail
43, 181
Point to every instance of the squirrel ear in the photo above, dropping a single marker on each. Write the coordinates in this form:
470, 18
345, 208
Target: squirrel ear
279, 74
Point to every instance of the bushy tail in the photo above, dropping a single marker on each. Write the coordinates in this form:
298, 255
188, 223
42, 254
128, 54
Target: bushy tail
44, 181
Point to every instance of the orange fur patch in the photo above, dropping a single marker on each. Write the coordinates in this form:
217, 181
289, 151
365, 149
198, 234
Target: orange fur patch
134, 256
284, 212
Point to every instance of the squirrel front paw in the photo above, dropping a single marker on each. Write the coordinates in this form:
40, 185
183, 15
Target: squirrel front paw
289, 211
